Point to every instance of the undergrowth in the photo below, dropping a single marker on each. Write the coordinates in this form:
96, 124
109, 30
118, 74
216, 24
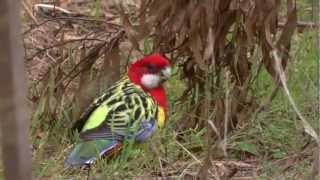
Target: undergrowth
274, 139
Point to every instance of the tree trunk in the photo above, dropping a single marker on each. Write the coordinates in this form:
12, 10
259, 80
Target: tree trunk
13, 109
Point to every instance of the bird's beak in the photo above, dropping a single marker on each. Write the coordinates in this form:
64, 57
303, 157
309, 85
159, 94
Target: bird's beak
165, 73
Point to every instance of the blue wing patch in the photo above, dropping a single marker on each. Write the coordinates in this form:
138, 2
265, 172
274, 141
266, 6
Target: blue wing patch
146, 131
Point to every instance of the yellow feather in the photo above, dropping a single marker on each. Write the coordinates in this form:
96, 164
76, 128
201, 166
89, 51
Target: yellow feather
161, 117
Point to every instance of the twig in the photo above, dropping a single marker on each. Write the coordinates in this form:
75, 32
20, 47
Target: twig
88, 173
301, 24
29, 12
185, 149
50, 7
161, 168
51, 58
61, 44
185, 169
307, 127
71, 75
226, 115
69, 19
215, 174
214, 128
96, 52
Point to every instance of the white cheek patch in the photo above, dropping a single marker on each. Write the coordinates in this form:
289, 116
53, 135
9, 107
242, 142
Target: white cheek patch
166, 72
150, 81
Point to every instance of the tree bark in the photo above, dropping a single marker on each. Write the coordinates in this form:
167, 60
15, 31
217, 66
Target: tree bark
13, 107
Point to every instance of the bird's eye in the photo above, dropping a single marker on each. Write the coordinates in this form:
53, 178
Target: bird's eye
152, 68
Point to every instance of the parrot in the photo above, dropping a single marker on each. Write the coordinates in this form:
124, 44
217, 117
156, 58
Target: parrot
133, 108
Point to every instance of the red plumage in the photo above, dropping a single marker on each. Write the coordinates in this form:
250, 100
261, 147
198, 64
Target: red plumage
141, 67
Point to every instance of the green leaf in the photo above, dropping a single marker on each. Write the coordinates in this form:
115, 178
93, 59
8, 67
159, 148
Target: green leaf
247, 147
278, 154
97, 8
147, 47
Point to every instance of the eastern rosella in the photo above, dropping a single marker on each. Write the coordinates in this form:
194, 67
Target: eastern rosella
133, 108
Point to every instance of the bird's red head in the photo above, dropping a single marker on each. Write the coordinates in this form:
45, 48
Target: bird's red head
150, 72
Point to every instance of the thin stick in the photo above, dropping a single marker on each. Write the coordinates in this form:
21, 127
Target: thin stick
29, 12
185, 149
226, 115
185, 169
51, 7
214, 128
161, 168
307, 127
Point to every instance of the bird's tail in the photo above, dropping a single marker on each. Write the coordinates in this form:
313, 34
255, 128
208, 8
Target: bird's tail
86, 153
